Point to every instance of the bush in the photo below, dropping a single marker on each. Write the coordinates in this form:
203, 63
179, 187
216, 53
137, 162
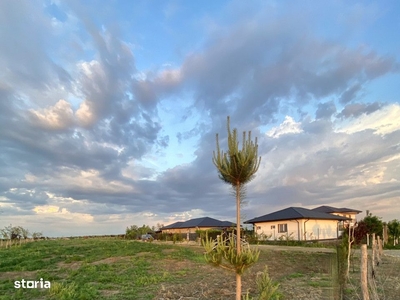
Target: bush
268, 290
211, 234
252, 239
390, 246
177, 237
131, 233
134, 232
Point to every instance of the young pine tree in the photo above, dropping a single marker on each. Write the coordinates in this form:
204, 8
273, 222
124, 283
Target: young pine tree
237, 167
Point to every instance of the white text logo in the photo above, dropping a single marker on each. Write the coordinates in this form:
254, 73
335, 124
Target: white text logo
32, 284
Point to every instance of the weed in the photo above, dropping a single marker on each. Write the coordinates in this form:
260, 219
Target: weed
295, 275
320, 283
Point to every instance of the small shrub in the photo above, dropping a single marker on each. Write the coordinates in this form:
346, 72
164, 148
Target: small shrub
213, 234
253, 239
176, 237
63, 290
267, 289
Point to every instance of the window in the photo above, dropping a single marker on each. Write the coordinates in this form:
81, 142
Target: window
282, 228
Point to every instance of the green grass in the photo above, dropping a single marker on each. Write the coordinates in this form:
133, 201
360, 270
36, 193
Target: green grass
321, 282
121, 269
295, 275
90, 269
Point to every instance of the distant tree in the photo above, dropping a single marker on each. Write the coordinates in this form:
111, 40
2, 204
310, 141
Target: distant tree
360, 233
14, 233
24, 232
37, 235
237, 167
369, 225
374, 224
145, 229
394, 230
5, 234
131, 232
134, 232
159, 226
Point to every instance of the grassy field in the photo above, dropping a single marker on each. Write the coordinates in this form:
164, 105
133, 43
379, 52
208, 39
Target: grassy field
121, 269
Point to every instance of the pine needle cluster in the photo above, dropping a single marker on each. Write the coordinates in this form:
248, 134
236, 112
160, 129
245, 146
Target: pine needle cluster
223, 253
237, 166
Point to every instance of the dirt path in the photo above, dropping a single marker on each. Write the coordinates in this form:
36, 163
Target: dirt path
393, 253
269, 247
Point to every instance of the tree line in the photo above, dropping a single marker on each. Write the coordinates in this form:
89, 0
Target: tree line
388, 231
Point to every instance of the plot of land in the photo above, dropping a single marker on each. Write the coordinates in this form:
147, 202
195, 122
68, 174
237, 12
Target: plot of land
120, 269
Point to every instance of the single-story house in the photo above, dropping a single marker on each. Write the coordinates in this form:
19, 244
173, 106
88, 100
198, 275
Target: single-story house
192, 225
298, 223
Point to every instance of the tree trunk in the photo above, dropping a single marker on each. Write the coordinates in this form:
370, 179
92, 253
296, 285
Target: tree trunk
238, 250
364, 273
349, 242
238, 286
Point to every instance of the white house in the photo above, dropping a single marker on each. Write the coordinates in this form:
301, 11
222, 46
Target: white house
349, 213
299, 224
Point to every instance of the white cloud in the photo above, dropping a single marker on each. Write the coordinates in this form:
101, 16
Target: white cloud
90, 180
84, 114
382, 121
170, 78
288, 126
59, 116
365, 175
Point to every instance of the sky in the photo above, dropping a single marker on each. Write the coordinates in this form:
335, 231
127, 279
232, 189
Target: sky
109, 110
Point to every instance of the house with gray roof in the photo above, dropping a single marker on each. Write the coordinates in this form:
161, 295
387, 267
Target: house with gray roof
192, 225
343, 211
298, 223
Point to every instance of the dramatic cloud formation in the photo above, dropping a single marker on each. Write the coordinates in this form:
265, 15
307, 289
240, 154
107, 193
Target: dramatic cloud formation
108, 116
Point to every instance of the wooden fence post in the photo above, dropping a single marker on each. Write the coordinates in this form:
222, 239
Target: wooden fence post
373, 255
379, 250
364, 272
380, 245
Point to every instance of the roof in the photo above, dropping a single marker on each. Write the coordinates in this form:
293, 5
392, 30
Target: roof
330, 209
292, 213
200, 222
173, 225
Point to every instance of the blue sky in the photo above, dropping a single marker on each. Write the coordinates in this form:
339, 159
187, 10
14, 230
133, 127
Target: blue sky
109, 109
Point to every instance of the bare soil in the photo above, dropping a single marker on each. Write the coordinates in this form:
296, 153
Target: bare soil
385, 285
302, 273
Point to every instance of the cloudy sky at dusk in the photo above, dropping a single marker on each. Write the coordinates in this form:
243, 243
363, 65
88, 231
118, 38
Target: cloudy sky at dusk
109, 109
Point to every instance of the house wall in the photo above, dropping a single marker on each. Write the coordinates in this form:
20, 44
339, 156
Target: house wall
301, 229
320, 229
270, 230
352, 215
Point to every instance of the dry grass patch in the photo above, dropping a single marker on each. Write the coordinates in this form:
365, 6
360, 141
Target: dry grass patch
111, 260
72, 265
18, 275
